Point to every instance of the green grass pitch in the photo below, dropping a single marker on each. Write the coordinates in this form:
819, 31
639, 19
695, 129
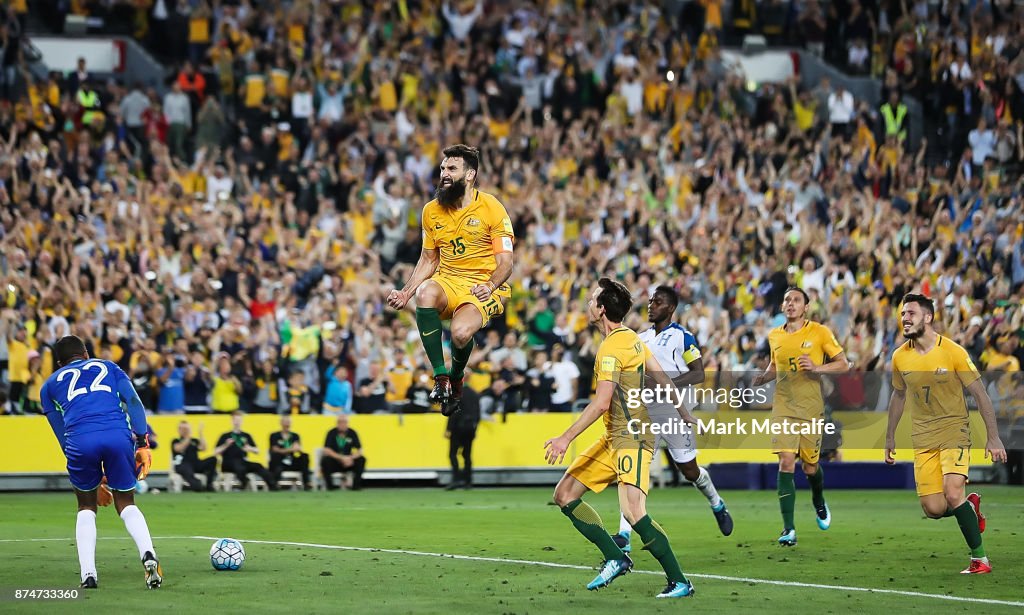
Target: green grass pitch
879, 540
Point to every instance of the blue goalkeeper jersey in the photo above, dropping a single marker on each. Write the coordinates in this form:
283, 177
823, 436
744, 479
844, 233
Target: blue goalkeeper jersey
91, 395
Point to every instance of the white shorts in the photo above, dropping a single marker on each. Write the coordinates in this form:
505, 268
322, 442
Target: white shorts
681, 446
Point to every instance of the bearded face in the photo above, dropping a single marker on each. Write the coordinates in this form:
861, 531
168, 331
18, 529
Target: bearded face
450, 191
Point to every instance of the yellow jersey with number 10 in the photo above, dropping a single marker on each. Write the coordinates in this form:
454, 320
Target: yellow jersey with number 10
468, 238
621, 359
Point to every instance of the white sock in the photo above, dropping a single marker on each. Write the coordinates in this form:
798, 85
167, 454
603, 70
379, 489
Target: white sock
707, 487
136, 525
85, 539
624, 526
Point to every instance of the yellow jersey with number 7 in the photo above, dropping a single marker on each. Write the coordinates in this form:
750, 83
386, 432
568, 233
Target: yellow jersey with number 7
934, 383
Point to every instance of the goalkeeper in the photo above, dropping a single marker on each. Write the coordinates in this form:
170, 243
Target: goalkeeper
86, 402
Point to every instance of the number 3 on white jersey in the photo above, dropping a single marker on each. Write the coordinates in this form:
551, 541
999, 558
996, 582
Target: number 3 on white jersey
97, 384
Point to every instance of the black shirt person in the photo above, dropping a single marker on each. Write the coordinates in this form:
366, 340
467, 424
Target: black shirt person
461, 431
343, 453
233, 447
286, 453
185, 458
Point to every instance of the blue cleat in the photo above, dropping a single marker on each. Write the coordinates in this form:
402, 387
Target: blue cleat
788, 538
611, 570
824, 516
675, 589
723, 518
622, 541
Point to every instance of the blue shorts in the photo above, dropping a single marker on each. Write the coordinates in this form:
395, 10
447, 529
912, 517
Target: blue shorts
95, 454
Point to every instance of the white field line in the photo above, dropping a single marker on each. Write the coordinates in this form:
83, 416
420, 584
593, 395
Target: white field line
525, 562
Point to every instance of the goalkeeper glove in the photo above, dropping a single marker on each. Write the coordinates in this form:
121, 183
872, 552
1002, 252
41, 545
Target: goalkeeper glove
143, 456
104, 497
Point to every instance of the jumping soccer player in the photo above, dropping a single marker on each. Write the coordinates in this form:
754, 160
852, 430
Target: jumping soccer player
801, 350
462, 270
83, 401
929, 374
621, 454
676, 350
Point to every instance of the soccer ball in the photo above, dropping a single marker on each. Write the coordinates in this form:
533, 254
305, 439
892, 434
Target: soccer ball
227, 554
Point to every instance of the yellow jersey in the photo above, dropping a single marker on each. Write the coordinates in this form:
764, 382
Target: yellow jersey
934, 383
621, 359
798, 395
468, 238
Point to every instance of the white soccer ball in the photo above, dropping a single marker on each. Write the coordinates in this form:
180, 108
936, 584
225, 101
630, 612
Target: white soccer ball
227, 554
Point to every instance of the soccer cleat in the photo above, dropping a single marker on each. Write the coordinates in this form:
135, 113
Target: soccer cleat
454, 403
723, 517
622, 541
824, 516
788, 538
442, 391
978, 566
89, 583
675, 589
975, 500
154, 573
611, 570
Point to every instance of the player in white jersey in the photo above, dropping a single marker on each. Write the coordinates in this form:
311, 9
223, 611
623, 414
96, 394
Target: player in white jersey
677, 352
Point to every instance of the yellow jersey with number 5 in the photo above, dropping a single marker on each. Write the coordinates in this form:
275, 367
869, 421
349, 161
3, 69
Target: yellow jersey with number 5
798, 395
934, 383
468, 238
621, 359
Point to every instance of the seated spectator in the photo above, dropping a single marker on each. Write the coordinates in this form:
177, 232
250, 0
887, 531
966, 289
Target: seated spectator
286, 453
372, 394
185, 458
419, 394
297, 395
233, 447
540, 384
343, 453
338, 398
197, 383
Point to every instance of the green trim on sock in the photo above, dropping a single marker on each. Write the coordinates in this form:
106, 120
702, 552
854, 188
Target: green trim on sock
968, 521
460, 357
656, 541
817, 482
787, 499
428, 320
588, 522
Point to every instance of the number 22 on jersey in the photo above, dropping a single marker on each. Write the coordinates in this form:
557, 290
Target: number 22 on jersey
76, 373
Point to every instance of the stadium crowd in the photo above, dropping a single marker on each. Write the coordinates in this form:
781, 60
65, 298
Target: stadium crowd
229, 243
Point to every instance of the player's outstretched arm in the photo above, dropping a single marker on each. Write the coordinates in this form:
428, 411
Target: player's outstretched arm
503, 263
896, 403
994, 445
602, 400
429, 260
55, 418
766, 377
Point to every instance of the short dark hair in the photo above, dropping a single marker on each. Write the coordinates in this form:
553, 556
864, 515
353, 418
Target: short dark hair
926, 304
807, 299
615, 298
670, 294
469, 155
67, 348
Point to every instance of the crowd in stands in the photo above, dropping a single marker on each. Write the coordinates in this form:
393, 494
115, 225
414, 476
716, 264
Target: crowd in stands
229, 242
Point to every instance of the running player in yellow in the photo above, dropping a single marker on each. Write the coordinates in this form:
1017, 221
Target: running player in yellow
801, 350
624, 453
465, 262
929, 375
